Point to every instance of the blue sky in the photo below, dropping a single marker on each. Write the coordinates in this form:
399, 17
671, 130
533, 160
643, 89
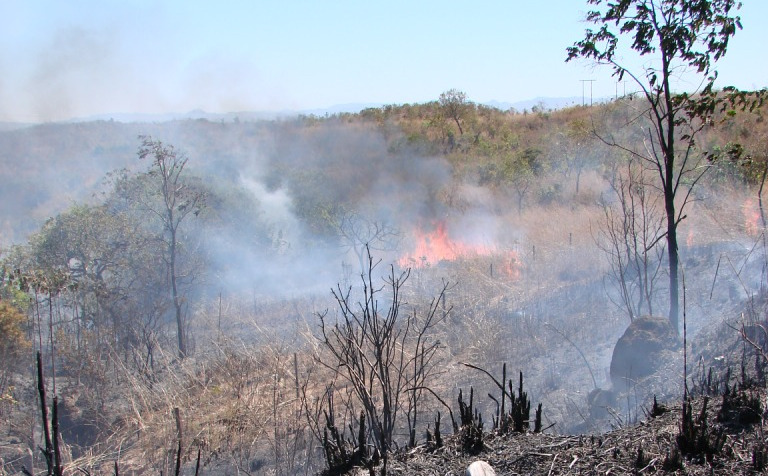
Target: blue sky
64, 59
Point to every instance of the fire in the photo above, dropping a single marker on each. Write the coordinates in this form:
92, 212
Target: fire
435, 245
751, 217
511, 266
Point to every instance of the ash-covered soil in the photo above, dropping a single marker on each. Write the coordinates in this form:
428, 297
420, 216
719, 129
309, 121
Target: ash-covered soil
646, 448
730, 441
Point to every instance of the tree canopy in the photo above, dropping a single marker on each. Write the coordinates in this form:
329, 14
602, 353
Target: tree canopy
677, 36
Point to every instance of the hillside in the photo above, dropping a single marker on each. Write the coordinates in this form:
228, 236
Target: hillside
499, 220
724, 433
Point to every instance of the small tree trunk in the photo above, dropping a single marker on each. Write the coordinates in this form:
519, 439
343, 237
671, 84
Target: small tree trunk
176, 300
48, 451
57, 468
674, 292
458, 124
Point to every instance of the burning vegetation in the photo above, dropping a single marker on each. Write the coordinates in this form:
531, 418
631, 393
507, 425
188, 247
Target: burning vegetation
433, 245
496, 228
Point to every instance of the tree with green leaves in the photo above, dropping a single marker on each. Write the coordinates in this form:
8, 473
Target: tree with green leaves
576, 146
454, 105
178, 200
521, 169
14, 345
105, 250
671, 37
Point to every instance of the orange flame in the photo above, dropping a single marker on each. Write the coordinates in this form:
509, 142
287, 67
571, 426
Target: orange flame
512, 265
751, 217
435, 246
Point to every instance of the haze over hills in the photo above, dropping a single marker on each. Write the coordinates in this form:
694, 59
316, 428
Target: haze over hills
503, 204
95, 145
547, 103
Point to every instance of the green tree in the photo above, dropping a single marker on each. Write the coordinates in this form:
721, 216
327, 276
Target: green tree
521, 169
110, 259
675, 35
454, 106
178, 200
576, 144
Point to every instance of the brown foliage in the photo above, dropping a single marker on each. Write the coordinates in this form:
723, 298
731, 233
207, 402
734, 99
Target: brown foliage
13, 346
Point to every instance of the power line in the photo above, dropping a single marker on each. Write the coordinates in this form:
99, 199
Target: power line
624, 82
583, 82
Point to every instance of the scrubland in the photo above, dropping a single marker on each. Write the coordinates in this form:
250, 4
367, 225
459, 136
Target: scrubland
507, 217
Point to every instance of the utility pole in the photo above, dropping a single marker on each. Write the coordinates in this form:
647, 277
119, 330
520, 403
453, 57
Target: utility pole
583, 82
624, 83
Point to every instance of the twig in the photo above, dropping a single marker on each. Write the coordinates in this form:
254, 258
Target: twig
717, 269
178, 460
651, 463
583, 357
48, 451
552, 466
453, 421
530, 454
197, 465
500, 385
562, 443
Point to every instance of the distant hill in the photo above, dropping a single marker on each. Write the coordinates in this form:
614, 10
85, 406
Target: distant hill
546, 103
353, 108
150, 118
10, 126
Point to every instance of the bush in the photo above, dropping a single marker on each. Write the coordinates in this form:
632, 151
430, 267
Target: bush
13, 345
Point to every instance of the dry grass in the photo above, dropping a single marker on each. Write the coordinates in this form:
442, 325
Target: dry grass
237, 396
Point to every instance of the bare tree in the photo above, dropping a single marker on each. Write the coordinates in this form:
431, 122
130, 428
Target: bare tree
360, 233
630, 230
383, 356
178, 200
